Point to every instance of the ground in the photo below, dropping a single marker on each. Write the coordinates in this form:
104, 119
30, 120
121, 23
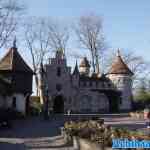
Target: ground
37, 134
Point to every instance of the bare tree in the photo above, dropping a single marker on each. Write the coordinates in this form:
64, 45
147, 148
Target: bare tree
58, 34
10, 10
37, 41
90, 35
41, 36
136, 63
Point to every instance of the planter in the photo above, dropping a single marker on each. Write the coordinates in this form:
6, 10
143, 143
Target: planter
83, 144
132, 114
67, 138
76, 144
138, 115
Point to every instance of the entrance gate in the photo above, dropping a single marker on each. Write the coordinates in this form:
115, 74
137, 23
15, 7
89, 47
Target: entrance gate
58, 105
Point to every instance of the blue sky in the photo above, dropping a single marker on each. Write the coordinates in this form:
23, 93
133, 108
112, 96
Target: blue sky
126, 23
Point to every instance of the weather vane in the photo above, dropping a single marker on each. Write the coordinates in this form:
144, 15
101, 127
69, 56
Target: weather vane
118, 52
14, 42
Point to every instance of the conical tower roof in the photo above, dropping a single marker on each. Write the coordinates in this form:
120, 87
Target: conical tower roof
76, 70
13, 61
119, 66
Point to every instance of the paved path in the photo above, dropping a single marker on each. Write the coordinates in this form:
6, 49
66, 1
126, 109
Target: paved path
37, 134
33, 134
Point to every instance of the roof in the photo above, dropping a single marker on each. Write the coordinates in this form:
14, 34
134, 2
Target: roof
13, 61
119, 67
76, 70
84, 62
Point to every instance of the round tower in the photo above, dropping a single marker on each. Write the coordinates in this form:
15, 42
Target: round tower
121, 76
84, 67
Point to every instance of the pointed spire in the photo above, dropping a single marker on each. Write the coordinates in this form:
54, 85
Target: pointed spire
76, 70
119, 66
118, 52
14, 42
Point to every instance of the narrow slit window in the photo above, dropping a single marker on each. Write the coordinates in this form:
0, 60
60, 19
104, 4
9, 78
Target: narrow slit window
58, 71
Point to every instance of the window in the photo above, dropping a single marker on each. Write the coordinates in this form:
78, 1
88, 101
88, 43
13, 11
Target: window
90, 83
109, 85
58, 71
84, 83
58, 87
14, 103
103, 84
96, 83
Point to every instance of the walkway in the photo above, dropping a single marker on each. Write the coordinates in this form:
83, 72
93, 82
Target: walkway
33, 134
37, 134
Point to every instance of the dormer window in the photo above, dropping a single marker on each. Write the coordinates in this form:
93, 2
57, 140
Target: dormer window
14, 103
58, 87
96, 84
90, 83
84, 83
58, 71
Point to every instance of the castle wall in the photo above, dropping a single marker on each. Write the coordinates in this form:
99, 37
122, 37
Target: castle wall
86, 101
78, 93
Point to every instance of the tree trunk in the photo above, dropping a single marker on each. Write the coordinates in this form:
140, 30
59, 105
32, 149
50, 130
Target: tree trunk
93, 62
37, 85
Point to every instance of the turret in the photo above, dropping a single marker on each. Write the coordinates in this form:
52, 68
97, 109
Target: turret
84, 67
121, 76
60, 54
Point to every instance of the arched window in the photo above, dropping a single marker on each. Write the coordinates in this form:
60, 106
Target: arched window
84, 83
86, 103
58, 87
14, 103
96, 83
58, 71
90, 83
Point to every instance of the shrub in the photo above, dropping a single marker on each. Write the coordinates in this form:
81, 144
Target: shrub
100, 133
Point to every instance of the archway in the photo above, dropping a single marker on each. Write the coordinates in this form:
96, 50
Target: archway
86, 104
58, 106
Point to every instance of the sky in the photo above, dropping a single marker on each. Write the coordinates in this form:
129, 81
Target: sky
126, 23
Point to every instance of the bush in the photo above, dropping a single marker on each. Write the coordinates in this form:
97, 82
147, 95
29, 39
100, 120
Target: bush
35, 111
100, 133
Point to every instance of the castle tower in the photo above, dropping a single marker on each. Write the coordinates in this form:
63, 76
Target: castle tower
84, 67
121, 76
58, 76
60, 54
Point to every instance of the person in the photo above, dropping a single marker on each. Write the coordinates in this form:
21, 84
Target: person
148, 123
68, 112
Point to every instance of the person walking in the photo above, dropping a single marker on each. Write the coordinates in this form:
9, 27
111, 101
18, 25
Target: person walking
148, 118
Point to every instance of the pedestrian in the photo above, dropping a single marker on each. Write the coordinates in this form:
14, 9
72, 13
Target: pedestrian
148, 123
68, 112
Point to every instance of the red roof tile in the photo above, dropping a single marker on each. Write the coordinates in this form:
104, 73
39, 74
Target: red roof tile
119, 67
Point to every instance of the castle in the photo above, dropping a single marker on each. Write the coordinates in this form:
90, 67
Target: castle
82, 92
